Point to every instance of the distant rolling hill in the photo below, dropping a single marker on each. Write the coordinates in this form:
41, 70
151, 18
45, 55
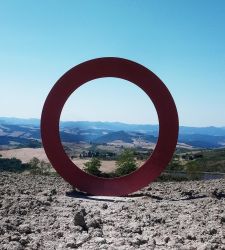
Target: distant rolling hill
127, 137
202, 140
16, 132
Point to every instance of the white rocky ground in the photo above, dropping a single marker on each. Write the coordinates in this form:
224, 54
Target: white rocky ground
40, 212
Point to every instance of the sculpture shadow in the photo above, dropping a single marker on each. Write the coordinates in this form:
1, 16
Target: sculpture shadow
85, 196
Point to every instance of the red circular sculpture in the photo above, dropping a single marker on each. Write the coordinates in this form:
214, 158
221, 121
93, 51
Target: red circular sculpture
153, 87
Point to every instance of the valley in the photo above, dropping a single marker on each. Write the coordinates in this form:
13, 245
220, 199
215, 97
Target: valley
198, 149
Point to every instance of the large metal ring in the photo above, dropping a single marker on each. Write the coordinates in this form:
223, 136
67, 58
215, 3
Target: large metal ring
153, 87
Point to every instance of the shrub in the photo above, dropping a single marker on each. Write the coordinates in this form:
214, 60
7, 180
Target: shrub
174, 165
126, 163
39, 167
194, 170
92, 167
170, 177
12, 165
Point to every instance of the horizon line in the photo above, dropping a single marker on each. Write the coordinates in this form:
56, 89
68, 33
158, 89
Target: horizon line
121, 122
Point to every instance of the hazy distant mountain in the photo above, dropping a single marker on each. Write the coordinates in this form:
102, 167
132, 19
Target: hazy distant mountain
202, 140
117, 126
216, 131
19, 121
114, 126
14, 131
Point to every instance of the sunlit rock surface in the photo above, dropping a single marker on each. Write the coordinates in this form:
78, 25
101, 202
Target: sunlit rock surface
41, 212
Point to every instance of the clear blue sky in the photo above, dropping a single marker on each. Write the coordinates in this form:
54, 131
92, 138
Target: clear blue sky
183, 42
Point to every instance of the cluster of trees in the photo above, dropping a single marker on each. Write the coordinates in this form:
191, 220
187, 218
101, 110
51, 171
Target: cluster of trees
125, 164
191, 157
175, 171
98, 154
12, 165
193, 165
142, 154
191, 170
190, 166
139, 154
